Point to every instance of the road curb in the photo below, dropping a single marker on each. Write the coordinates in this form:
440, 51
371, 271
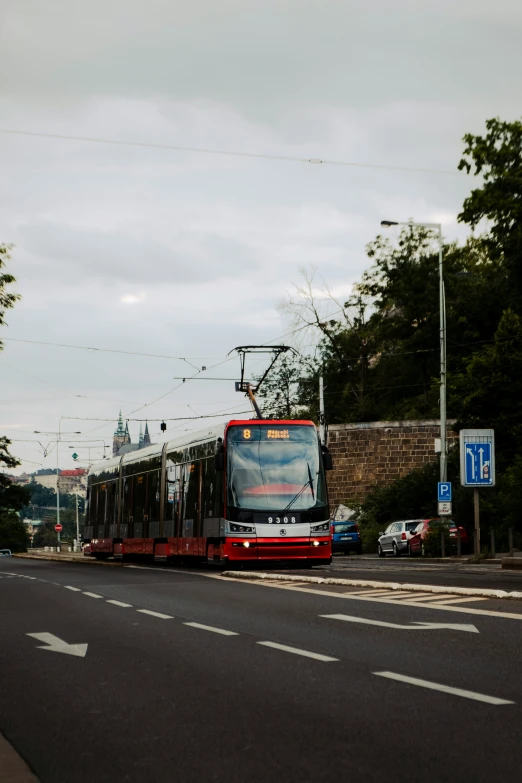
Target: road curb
318, 580
65, 559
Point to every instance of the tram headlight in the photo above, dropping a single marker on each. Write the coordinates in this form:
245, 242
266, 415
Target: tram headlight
316, 543
317, 528
246, 543
240, 529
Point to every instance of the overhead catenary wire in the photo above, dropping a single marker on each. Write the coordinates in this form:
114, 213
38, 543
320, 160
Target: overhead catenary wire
105, 350
232, 153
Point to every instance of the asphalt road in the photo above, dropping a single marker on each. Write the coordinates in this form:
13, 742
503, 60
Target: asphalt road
267, 690
420, 571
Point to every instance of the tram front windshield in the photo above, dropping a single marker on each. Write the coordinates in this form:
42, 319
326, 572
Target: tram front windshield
275, 468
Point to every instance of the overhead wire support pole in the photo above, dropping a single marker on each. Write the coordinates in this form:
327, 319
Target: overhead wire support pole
321, 412
58, 483
443, 403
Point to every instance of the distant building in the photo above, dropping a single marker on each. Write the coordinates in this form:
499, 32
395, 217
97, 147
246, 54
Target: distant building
73, 481
122, 442
48, 481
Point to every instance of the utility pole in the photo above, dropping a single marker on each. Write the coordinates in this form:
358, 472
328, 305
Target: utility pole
443, 413
58, 484
321, 412
77, 524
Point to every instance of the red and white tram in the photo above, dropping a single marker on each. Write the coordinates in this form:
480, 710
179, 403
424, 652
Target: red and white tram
241, 493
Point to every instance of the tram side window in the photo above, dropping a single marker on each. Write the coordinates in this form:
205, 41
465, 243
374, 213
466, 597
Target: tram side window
100, 505
153, 496
211, 492
93, 504
192, 493
140, 492
127, 497
111, 502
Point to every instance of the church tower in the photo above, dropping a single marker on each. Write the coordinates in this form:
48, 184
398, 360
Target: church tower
121, 436
146, 437
140, 442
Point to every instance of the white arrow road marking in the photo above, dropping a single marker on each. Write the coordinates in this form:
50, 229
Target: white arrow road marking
415, 627
435, 686
55, 644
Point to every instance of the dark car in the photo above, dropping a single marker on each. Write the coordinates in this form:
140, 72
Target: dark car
416, 543
346, 538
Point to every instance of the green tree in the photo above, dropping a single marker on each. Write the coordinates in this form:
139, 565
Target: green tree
279, 393
488, 393
497, 157
12, 498
7, 298
13, 534
45, 535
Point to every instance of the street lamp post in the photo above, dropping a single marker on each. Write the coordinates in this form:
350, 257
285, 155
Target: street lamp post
58, 437
442, 337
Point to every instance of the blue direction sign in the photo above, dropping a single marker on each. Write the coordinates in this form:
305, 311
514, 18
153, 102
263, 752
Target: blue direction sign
478, 464
444, 492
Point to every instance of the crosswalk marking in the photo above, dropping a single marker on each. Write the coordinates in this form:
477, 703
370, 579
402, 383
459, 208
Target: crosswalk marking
408, 597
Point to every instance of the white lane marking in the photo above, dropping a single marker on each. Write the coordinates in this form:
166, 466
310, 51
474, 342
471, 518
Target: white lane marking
55, 644
155, 614
349, 596
415, 627
406, 596
435, 686
297, 651
436, 598
222, 631
374, 592
464, 600
118, 603
74, 589
92, 595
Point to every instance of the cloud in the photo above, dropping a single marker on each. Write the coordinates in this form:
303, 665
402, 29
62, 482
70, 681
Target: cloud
188, 254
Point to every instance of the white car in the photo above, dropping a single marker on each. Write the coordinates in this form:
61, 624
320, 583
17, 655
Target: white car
396, 538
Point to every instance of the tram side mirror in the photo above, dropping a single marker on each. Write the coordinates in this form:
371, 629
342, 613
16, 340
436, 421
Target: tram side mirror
327, 459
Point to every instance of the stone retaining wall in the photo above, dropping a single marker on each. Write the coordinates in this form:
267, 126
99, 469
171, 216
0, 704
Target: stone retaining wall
378, 453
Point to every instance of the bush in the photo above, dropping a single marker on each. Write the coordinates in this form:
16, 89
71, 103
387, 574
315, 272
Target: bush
13, 534
432, 541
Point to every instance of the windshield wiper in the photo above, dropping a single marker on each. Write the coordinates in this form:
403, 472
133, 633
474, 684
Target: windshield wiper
308, 483
310, 480
234, 493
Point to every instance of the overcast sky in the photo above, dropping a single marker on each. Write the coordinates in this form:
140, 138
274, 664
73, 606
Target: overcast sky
185, 253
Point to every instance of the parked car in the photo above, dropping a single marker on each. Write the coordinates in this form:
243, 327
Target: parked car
5, 553
346, 538
396, 538
416, 542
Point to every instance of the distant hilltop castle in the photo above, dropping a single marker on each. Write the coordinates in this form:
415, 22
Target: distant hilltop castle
122, 443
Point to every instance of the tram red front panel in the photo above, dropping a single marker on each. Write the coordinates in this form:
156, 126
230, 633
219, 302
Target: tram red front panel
275, 549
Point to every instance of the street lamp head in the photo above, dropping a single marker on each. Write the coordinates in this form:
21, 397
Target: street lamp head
388, 223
